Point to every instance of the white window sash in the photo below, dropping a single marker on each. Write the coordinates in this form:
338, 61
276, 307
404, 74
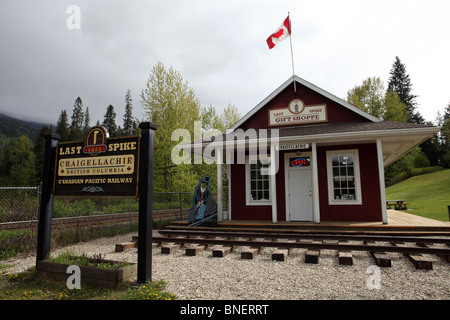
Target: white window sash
357, 178
248, 198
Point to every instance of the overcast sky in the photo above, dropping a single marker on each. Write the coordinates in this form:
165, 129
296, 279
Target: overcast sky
219, 47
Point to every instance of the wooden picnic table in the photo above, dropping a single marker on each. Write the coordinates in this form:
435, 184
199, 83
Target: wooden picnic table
397, 204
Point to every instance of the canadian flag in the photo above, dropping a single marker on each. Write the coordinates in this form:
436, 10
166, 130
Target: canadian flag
282, 33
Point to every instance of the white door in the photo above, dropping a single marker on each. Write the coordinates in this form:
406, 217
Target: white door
300, 194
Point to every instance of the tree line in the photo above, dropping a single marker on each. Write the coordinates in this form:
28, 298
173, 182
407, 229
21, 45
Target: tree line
170, 103
398, 103
21, 159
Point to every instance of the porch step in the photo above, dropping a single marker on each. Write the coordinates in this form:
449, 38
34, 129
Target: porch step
316, 228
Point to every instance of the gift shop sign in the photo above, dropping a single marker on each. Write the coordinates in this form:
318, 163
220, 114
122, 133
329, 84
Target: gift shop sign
298, 113
99, 166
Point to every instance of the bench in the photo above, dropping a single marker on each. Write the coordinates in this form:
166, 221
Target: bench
397, 204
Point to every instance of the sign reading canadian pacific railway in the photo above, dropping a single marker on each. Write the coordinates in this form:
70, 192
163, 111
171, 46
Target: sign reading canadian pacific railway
97, 167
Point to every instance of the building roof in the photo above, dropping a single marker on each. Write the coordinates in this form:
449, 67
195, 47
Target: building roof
311, 86
397, 138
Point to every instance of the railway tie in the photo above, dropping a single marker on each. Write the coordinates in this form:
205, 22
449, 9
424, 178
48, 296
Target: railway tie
251, 244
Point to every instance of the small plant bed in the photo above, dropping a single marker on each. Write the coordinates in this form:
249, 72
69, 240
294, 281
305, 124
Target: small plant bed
27, 286
94, 271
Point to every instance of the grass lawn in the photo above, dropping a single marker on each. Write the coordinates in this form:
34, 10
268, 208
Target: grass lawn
427, 195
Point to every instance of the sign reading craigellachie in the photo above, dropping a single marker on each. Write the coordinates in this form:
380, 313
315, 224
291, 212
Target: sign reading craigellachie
97, 167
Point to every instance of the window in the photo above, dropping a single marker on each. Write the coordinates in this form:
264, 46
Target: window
257, 184
344, 186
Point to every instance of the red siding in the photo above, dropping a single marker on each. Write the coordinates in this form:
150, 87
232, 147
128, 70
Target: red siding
239, 209
370, 209
336, 112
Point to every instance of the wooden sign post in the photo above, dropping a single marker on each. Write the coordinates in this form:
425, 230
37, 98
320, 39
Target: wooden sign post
100, 167
46, 208
146, 202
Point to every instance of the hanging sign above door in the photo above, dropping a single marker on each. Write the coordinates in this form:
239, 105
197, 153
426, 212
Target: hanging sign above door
294, 146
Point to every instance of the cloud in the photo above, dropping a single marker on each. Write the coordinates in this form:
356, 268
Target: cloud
218, 47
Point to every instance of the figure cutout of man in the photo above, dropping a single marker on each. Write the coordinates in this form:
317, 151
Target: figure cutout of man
201, 197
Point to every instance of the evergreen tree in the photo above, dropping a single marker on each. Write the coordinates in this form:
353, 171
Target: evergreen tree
445, 138
21, 161
76, 128
62, 126
400, 82
445, 127
4, 169
109, 121
39, 148
128, 122
87, 121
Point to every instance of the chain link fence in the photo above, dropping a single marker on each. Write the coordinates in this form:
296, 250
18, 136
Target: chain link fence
22, 204
19, 203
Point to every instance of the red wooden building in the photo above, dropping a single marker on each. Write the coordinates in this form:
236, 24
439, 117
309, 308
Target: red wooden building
327, 158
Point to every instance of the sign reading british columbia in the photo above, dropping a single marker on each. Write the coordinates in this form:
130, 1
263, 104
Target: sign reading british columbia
99, 166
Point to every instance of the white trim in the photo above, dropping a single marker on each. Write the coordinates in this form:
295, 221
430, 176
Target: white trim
310, 86
413, 136
219, 162
249, 202
229, 190
357, 177
287, 155
381, 179
273, 184
315, 183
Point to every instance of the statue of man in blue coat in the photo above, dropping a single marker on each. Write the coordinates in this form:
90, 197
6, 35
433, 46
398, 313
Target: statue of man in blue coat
202, 201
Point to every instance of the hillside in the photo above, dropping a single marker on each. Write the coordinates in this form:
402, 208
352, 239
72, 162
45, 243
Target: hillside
12, 127
427, 195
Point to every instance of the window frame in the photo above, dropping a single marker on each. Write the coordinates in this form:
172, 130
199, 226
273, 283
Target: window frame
248, 199
357, 177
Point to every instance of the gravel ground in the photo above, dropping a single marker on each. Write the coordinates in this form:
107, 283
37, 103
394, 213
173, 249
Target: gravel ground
208, 278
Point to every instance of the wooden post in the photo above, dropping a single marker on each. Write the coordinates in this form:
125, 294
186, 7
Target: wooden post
219, 161
315, 184
381, 180
145, 229
46, 206
273, 183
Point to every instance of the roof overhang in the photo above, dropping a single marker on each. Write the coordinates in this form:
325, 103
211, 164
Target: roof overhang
395, 142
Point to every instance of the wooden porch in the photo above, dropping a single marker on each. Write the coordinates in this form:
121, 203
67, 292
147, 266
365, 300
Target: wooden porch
398, 222
395, 218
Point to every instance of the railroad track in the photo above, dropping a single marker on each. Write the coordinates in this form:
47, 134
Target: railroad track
418, 249
85, 221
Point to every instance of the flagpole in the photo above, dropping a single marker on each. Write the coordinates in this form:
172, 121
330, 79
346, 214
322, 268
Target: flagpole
292, 54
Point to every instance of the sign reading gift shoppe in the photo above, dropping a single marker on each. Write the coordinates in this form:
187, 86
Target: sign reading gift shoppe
298, 113
99, 166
